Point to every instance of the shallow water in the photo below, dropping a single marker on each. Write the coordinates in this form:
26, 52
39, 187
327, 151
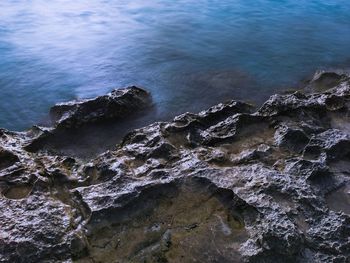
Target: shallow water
189, 54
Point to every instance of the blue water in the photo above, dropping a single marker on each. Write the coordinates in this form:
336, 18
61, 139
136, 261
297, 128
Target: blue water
189, 53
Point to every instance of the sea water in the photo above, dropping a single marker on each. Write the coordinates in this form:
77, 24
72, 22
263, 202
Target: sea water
190, 54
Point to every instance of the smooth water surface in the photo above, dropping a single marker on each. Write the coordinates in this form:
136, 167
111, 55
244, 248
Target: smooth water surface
190, 54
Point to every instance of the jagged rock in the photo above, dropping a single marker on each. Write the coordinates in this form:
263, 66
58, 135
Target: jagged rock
35, 229
334, 143
224, 185
116, 105
72, 116
291, 138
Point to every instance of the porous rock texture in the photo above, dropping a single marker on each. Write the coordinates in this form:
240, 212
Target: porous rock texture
225, 185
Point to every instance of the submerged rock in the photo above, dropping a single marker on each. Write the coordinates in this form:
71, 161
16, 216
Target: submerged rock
224, 185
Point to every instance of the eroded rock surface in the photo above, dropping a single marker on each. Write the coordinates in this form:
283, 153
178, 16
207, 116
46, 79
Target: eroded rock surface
225, 185
116, 105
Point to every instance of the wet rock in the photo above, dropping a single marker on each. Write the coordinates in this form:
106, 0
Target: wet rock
80, 119
224, 185
323, 80
204, 119
116, 105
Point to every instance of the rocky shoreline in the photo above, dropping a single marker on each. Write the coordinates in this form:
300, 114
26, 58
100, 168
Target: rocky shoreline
229, 184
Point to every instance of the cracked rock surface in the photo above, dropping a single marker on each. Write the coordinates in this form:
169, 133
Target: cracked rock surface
228, 184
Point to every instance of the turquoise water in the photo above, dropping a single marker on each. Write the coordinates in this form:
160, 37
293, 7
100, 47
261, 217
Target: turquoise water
189, 54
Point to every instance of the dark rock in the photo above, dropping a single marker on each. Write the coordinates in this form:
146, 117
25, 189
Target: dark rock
78, 120
118, 104
224, 185
35, 229
7, 158
290, 138
334, 143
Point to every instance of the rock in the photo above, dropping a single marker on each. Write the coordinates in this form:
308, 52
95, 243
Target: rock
334, 143
225, 185
324, 80
34, 229
7, 158
294, 139
118, 104
72, 119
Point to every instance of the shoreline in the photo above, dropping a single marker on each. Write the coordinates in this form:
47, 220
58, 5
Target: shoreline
73, 141
261, 185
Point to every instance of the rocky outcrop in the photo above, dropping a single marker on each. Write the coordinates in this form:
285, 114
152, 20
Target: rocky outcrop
118, 104
225, 185
74, 117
